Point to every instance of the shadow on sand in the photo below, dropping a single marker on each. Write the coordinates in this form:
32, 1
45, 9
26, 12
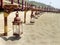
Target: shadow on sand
12, 38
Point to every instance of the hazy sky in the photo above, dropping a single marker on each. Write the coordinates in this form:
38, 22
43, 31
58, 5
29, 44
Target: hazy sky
54, 3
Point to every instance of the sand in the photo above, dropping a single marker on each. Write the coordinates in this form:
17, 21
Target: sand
45, 30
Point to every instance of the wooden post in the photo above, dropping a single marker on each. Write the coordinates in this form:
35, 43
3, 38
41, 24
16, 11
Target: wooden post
1, 3
11, 1
31, 13
25, 13
22, 4
5, 23
18, 2
39, 10
32, 17
25, 16
36, 11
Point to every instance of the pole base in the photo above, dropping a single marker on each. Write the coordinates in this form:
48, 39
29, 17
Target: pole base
3, 34
15, 34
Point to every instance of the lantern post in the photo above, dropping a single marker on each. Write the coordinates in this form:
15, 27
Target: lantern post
16, 25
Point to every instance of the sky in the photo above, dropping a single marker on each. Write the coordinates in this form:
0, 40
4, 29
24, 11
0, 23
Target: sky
54, 3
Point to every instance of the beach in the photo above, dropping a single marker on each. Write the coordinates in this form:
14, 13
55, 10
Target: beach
45, 30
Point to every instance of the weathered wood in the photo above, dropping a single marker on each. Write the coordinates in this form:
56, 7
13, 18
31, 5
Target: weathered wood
1, 3
5, 23
25, 13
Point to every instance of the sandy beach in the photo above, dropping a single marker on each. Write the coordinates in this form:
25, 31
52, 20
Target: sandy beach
45, 30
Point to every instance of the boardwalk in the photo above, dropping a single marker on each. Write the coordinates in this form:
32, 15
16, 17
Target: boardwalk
45, 31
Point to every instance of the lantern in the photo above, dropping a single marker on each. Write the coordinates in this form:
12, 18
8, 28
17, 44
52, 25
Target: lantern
36, 15
16, 25
32, 19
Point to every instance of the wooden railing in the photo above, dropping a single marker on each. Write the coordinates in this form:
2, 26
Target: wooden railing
25, 6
